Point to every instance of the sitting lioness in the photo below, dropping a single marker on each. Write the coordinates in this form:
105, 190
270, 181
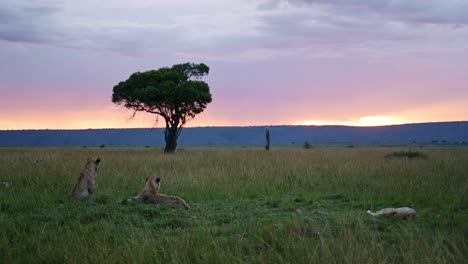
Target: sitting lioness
86, 184
150, 194
404, 212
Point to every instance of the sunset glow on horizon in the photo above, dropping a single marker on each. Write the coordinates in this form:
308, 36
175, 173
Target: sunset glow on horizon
272, 62
365, 121
118, 118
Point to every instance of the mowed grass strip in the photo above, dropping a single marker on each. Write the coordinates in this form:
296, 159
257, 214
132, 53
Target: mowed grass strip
248, 205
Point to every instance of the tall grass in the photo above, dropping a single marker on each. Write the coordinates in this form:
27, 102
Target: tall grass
248, 205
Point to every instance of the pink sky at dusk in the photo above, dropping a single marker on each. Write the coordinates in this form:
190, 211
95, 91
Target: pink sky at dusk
272, 62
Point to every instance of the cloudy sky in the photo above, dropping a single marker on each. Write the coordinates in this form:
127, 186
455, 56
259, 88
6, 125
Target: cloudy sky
272, 62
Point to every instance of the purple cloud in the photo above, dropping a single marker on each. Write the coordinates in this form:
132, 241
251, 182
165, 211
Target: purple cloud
432, 11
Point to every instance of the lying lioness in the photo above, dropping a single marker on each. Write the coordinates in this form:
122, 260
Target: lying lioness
150, 194
404, 212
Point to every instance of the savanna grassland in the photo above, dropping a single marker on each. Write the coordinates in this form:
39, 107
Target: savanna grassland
248, 205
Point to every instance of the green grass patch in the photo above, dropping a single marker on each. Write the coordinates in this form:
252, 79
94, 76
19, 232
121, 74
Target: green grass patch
248, 205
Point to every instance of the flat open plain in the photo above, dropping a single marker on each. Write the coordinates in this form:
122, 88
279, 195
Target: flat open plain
248, 205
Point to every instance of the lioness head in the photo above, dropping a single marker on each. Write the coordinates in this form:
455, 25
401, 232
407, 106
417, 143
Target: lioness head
153, 184
93, 165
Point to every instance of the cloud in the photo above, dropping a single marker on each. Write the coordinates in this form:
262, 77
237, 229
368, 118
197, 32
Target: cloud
235, 30
56, 25
26, 23
415, 11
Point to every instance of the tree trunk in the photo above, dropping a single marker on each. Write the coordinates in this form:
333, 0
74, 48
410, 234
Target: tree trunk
267, 146
170, 135
171, 140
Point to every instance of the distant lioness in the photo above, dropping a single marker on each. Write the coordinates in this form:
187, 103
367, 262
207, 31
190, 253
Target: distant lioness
150, 194
86, 184
404, 212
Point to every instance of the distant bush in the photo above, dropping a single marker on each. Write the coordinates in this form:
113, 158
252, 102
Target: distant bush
102, 146
410, 154
350, 146
307, 145
102, 199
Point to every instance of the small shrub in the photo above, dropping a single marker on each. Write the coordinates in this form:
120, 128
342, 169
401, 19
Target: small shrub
102, 199
410, 154
274, 203
102, 146
307, 145
299, 200
4, 207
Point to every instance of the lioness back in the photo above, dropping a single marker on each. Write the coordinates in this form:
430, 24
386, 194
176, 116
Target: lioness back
404, 212
86, 183
172, 201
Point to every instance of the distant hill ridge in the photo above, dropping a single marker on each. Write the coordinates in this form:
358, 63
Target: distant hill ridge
424, 133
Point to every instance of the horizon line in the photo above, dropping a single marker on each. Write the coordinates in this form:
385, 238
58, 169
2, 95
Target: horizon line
234, 126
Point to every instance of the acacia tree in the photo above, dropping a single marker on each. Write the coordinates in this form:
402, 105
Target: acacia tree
176, 94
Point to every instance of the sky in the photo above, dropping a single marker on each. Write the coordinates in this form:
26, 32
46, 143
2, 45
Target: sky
272, 62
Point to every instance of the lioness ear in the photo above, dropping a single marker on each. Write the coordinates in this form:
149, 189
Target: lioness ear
158, 179
98, 160
146, 178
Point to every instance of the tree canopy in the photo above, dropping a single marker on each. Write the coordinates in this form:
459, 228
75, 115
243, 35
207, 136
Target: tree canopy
177, 94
